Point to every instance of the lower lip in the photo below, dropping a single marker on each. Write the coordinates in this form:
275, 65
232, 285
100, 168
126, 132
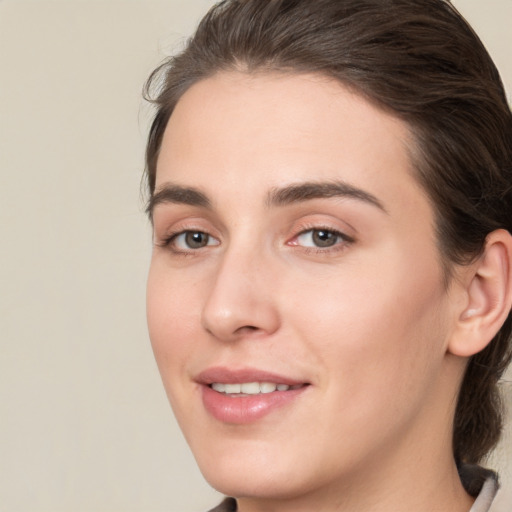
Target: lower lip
247, 408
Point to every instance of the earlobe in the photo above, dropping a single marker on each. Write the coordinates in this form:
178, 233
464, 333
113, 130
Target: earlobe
489, 297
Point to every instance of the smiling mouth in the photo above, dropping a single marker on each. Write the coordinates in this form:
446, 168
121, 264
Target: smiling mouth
245, 396
252, 388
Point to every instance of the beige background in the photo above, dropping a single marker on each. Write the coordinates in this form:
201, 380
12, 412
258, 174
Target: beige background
84, 423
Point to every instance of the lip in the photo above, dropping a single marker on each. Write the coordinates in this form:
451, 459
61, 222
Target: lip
230, 376
248, 408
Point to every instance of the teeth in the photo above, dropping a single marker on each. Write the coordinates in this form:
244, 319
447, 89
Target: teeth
232, 388
251, 388
267, 387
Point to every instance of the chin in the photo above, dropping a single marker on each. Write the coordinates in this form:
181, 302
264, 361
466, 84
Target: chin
247, 484
250, 473
261, 470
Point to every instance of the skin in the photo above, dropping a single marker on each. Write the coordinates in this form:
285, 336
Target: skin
367, 321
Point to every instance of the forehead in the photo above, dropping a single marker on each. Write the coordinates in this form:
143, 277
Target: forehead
259, 131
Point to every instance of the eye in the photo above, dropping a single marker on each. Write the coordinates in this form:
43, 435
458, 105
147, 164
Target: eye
187, 240
320, 238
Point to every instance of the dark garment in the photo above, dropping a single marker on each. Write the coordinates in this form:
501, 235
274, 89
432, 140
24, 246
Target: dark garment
228, 505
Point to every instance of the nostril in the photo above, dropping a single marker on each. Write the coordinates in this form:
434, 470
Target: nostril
247, 328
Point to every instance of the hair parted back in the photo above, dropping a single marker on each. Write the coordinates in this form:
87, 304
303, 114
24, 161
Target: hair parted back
419, 60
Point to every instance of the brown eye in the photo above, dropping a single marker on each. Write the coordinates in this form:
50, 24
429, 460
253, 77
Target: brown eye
196, 239
320, 238
191, 240
323, 238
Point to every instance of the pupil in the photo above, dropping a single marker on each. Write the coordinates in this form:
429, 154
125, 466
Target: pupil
324, 238
196, 239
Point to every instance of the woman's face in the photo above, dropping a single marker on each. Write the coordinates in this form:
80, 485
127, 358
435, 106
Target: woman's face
294, 248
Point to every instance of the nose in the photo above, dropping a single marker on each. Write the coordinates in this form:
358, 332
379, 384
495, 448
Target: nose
241, 301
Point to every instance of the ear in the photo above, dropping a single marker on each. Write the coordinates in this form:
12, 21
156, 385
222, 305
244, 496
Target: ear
488, 288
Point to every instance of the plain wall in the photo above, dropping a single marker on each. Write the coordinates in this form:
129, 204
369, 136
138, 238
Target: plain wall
84, 421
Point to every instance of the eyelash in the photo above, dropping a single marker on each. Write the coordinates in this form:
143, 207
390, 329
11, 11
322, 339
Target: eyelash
341, 243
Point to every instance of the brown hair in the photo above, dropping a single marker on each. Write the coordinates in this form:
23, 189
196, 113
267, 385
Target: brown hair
419, 60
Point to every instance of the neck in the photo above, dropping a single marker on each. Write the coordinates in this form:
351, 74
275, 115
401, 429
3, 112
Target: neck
414, 470
422, 486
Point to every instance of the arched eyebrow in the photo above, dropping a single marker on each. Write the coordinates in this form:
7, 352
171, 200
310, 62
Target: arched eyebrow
307, 191
279, 196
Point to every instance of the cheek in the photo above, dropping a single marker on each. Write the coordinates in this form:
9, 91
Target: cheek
169, 307
373, 325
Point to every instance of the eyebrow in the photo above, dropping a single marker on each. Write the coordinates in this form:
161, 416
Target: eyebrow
320, 190
177, 194
280, 196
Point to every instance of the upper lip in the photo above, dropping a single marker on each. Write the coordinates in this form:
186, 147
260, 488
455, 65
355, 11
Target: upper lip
238, 376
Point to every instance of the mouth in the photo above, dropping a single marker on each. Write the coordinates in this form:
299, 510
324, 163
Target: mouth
252, 388
247, 395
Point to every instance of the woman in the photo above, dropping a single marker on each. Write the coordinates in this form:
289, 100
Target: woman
330, 289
